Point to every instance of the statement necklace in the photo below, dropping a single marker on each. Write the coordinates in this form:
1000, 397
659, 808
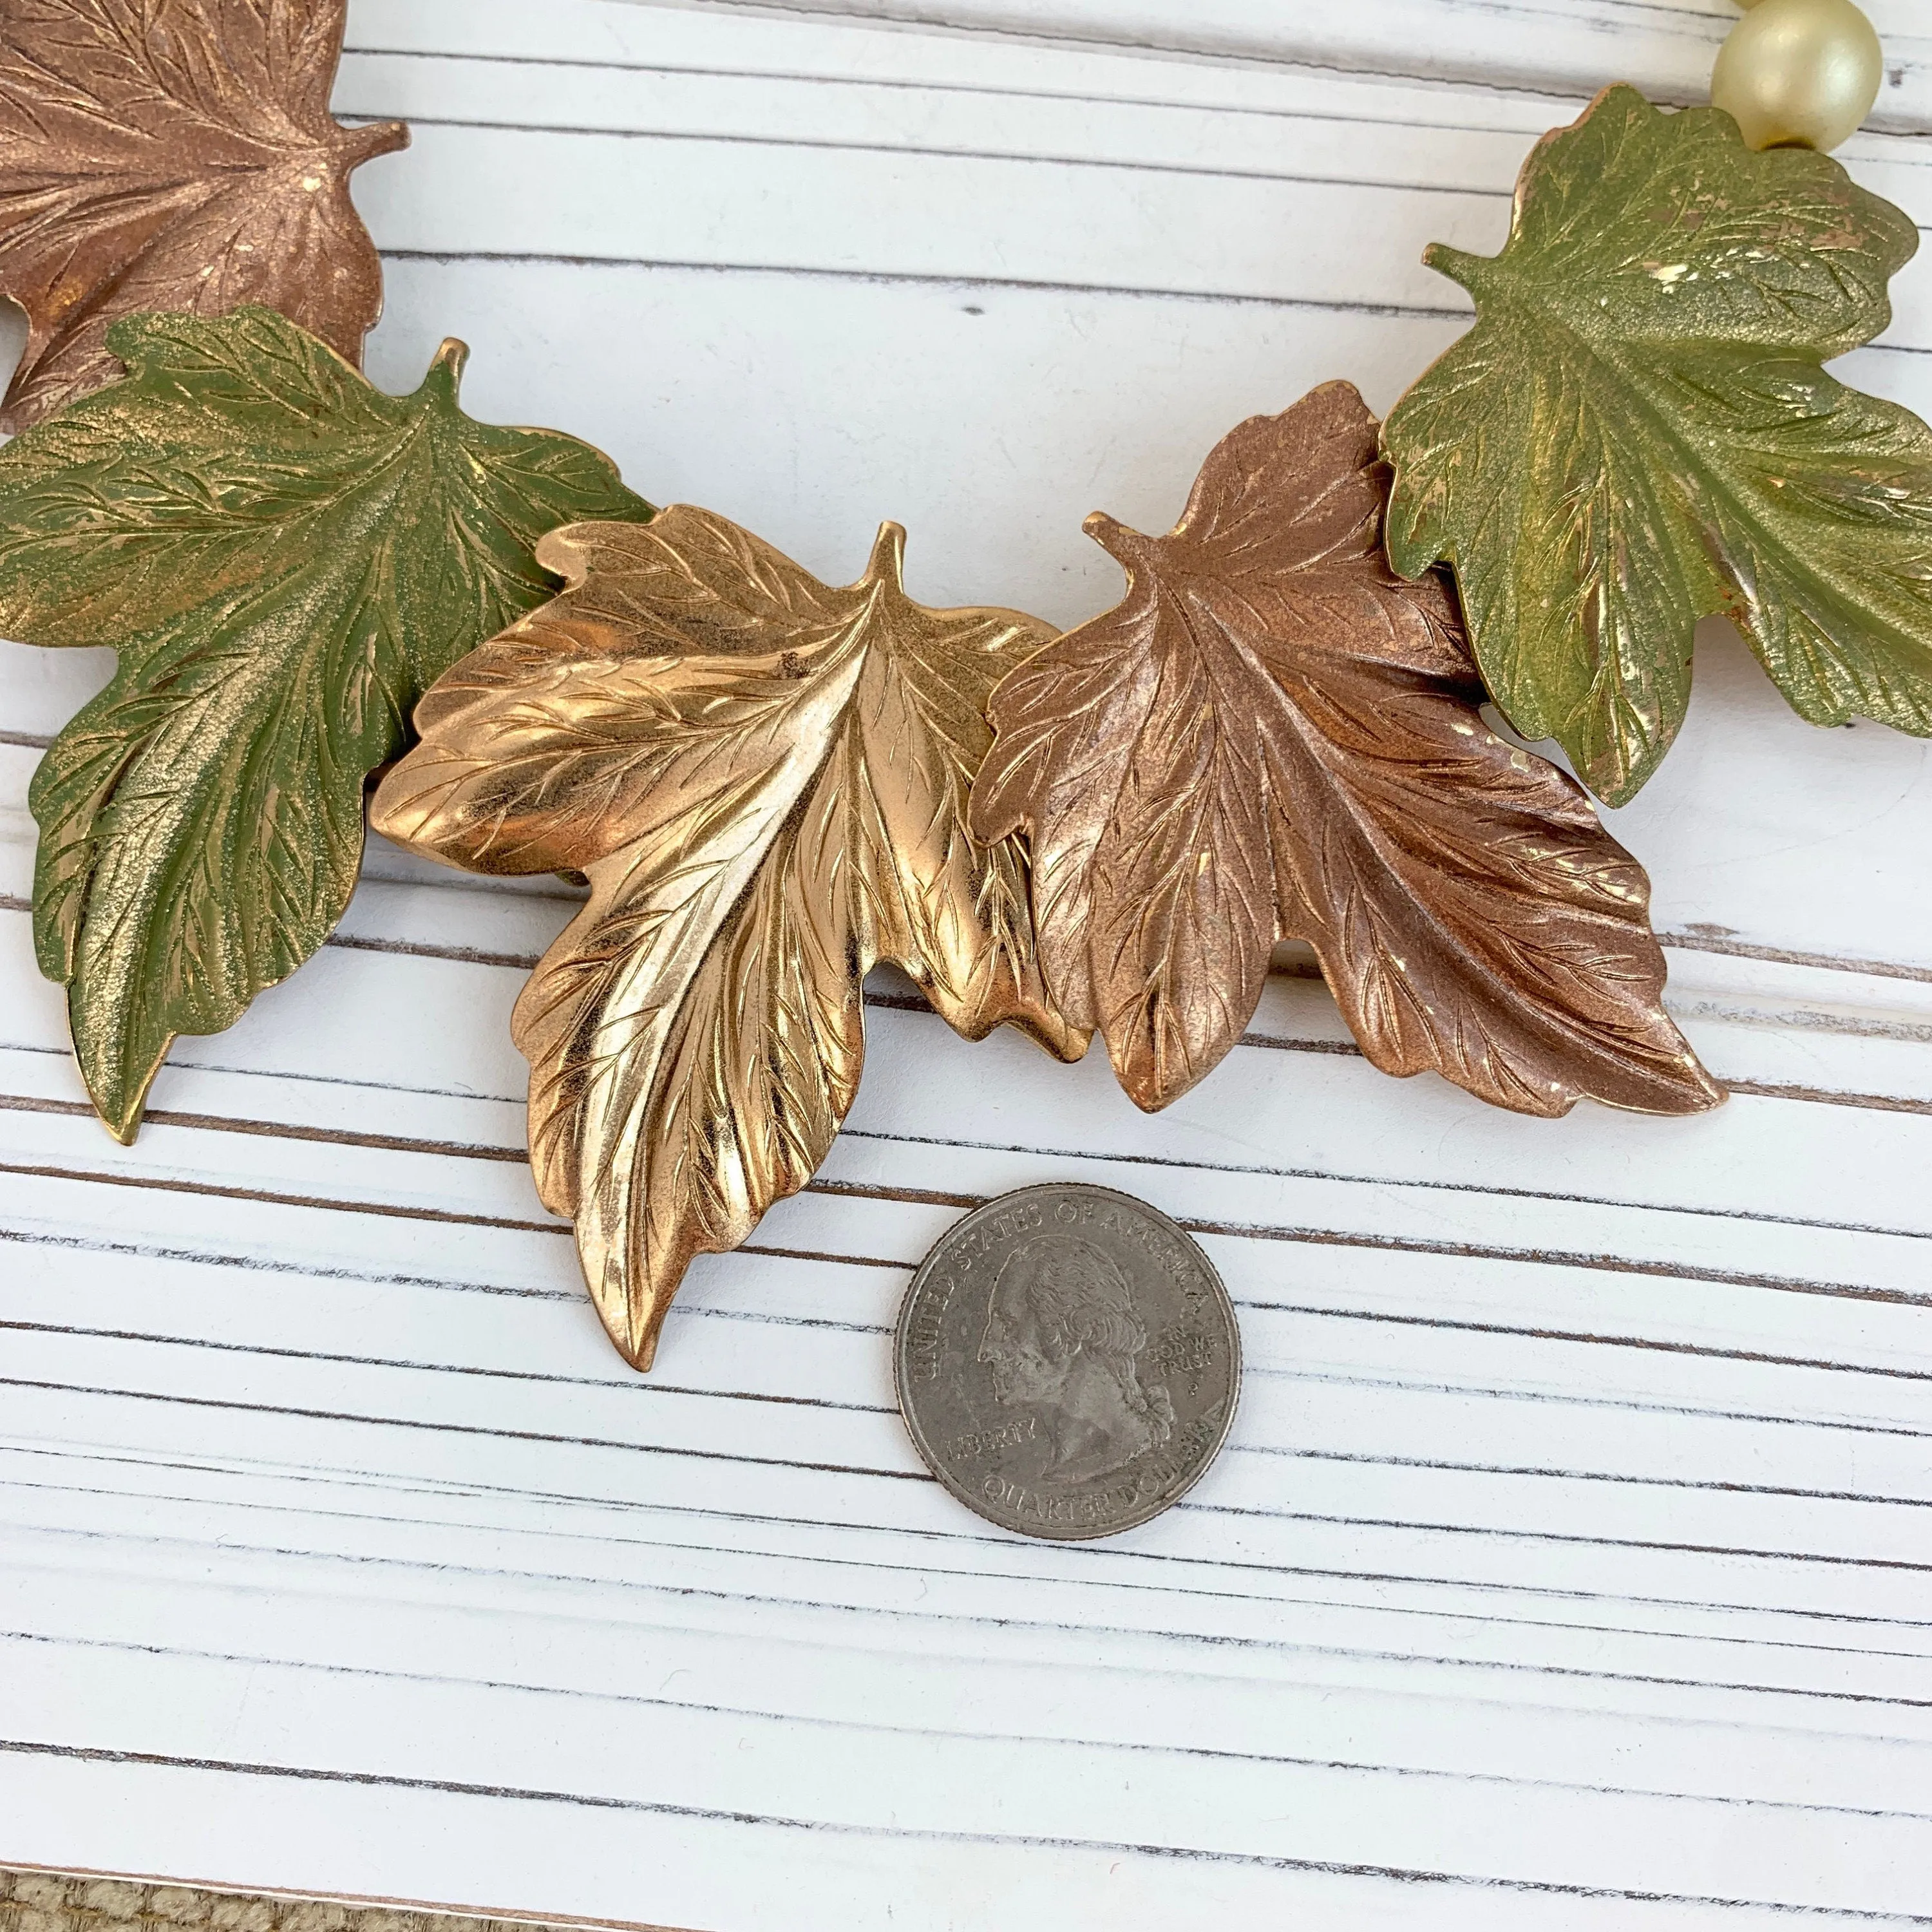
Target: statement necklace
770, 784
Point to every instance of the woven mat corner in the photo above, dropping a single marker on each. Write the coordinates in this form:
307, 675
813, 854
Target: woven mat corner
41, 1901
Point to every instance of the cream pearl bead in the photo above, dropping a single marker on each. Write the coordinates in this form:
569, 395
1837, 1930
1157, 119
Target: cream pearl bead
1798, 74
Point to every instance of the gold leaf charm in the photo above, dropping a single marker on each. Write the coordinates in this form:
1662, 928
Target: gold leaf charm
765, 780
176, 157
1274, 737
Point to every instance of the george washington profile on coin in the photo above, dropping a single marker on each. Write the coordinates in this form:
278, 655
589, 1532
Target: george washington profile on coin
1067, 1361
1063, 1340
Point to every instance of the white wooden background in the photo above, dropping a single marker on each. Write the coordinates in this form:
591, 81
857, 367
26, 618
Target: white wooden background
1568, 1566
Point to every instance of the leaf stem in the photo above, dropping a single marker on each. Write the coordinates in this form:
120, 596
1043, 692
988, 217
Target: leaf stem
1469, 271
373, 138
886, 564
445, 377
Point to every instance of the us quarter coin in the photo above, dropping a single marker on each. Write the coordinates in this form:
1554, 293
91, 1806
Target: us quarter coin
1067, 1361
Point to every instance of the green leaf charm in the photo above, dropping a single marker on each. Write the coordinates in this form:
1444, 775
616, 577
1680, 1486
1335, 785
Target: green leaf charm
1637, 434
286, 559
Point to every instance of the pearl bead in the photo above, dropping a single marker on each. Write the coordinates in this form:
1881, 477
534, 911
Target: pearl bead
1798, 74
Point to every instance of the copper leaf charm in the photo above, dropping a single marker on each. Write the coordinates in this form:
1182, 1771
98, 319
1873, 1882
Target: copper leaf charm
1637, 434
765, 782
178, 156
1274, 737
284, 558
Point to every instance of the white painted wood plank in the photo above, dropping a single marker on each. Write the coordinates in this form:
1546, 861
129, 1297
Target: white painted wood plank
363, 1830
1046, 1679
1558, 44
1288, 239
722, 1719
1611, 1656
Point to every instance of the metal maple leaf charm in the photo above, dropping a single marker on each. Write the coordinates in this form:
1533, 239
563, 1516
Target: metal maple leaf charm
1637, 434
1275, 737
176, 157
284, 559
765, 780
